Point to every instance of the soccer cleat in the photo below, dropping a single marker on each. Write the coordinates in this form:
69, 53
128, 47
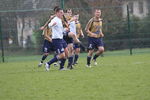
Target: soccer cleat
75, 63
56, 64
47, 66
70, 67
62, 69
40, 64
95, 63
88, 66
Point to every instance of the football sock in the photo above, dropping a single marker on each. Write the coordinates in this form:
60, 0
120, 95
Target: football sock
43, 58
95, 57
70, 61
62, 63
88, 60
53, 60
76, 58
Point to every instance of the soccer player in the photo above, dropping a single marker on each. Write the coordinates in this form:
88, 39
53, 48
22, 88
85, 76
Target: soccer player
51, 17
70, 37
47, 46
79, 34
57, 38
95, 35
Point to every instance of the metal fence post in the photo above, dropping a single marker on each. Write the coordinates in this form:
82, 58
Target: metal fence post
1, 38
62, 4
129, 30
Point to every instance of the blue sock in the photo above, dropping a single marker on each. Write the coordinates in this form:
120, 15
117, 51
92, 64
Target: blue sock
88, 60
43, 58
95, 57
53, 60
76, 58
70, 61
62, 63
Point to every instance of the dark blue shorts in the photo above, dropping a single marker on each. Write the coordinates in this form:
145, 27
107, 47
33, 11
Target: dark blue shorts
94, 43
59, 45
76, 45
67, 38
64, 44
48, 46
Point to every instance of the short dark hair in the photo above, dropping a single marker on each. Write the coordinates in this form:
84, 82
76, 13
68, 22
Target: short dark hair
57, 9
68, 9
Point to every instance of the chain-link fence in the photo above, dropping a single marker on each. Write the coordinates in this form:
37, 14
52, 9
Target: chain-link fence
125, 28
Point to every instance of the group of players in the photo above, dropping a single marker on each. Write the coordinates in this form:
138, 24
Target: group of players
61, 34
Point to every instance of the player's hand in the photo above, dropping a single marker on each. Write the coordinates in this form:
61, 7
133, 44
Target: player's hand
102, 35
42, 28
82, 35
52, 16
94, 35
66, 29
50, 39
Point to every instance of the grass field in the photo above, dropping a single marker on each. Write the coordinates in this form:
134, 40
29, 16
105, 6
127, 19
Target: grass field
121, 77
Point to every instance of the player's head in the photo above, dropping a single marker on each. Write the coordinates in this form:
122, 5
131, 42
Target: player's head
59, 12
97, 13
55, 8
69, 11
76, 17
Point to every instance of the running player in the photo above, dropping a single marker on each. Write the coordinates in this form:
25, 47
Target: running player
69, 39
79, 34
47, 46
95, 34
57, 38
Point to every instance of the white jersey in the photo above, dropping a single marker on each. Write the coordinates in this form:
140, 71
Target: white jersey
57, 29
72, 27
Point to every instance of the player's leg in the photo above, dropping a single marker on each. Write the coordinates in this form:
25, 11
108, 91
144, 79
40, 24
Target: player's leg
97, 54
60, 53
46, 52
71, 55
62, 62
91, 47
77, 51
89, 57
43, 58
100, 46
75, 39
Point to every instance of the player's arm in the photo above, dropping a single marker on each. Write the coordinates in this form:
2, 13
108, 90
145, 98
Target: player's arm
52, 23
101, 33
65, 22
87, 29
80, 32
46, 35
46, 24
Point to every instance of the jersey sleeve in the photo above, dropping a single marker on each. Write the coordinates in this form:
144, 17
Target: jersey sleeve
89, 25
52, 22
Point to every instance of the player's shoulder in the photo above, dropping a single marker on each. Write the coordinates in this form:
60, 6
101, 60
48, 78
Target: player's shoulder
100, 19
91, 20
97, 20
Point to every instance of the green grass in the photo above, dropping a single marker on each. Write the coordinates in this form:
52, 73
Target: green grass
29, 56
121, 77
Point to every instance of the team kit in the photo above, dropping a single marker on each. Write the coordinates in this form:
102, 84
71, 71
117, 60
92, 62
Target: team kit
61, 35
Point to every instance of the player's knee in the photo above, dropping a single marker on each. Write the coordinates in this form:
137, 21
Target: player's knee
101, 50
46, 54
61, 56
73, 35
90, 53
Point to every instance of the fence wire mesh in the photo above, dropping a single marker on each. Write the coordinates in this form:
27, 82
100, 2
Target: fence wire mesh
21, 19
